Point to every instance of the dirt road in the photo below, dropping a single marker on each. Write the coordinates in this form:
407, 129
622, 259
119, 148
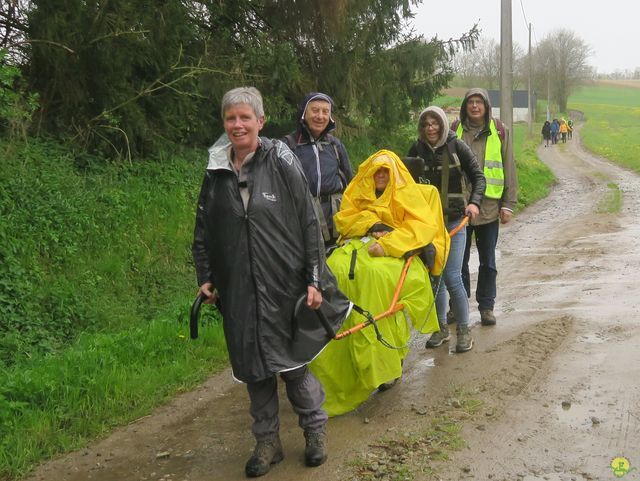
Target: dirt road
550, 393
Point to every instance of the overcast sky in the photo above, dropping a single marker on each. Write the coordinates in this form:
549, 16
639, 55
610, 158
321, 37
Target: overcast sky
611, 27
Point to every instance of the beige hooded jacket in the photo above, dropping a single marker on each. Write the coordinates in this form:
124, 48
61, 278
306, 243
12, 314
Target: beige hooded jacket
476, 138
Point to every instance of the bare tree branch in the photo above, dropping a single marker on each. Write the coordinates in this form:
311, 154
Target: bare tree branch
119, 34
47, 42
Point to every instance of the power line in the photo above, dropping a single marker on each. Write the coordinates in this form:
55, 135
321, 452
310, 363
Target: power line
526, 23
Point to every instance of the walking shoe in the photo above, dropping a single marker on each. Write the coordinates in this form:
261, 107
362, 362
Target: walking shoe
315, 451
451, 318
464, 341
487, 318
266, 453
437, 338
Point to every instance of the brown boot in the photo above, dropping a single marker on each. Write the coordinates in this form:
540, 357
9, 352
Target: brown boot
315, 452
487, 317
266, 453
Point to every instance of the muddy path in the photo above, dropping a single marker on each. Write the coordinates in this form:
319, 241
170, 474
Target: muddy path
550, 393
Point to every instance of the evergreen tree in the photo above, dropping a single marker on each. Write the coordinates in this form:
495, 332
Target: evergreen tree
130, 77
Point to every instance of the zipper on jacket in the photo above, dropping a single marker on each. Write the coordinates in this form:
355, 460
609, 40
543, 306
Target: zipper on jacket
317, 154
253, 278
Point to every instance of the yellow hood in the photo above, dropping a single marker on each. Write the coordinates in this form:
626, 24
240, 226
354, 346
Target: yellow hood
401, 206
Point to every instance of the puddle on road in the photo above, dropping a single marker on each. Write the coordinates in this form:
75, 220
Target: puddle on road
422, 364
577, 416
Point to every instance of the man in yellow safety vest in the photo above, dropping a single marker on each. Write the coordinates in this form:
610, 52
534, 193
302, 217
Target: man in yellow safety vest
489, 140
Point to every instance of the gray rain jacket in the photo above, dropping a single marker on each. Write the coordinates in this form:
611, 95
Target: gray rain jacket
261, 260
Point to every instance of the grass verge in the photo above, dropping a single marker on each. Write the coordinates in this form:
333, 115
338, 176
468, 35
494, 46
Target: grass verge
59, 403
534, 178
612, 203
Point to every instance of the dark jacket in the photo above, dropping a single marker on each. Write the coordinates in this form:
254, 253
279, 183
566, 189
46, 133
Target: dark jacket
261, 260
546, 130
432, 173
325, 164
324, 160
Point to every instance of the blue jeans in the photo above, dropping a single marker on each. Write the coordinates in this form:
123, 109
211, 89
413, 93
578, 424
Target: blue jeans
452, 277
486, 241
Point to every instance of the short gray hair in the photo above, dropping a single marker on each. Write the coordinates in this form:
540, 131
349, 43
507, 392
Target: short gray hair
250, 96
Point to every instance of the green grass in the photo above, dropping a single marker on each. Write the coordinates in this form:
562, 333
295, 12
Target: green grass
96, 282
59, 403
398, 141
612, 127
534, 178
612, 203
89, 246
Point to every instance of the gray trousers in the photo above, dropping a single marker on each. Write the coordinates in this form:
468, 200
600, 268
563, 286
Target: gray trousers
305, 394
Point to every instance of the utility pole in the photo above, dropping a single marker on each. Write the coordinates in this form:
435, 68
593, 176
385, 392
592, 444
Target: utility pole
531, 107
548, 90
506, 67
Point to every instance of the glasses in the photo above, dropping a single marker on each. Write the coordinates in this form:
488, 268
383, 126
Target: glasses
432, 126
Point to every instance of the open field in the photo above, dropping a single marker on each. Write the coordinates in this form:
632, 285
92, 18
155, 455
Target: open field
612, 121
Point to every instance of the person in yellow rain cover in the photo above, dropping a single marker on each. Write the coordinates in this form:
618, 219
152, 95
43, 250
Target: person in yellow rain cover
384, 218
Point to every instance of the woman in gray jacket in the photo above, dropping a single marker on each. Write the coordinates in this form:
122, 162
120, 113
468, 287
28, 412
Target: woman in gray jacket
257, 250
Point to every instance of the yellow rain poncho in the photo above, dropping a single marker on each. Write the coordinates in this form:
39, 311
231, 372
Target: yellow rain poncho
350, 369
401, 206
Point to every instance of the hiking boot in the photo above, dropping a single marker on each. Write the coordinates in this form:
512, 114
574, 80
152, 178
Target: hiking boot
265, 454
487, 318
464, 341
315, 451
451, 318
437, 338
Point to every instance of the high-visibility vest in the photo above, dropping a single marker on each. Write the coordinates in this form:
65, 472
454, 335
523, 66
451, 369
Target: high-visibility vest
493, 169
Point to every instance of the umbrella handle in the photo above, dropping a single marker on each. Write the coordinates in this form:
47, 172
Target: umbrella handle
195, 315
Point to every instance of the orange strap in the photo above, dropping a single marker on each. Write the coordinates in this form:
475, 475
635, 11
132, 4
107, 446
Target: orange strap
395, 307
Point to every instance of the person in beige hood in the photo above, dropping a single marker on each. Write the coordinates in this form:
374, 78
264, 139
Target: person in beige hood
489, 140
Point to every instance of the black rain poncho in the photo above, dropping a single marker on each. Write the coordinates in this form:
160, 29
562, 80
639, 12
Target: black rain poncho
261, 260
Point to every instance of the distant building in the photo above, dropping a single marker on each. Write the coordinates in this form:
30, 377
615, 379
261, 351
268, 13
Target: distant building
520, 104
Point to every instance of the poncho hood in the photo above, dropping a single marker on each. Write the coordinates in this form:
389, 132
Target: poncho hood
401, 206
